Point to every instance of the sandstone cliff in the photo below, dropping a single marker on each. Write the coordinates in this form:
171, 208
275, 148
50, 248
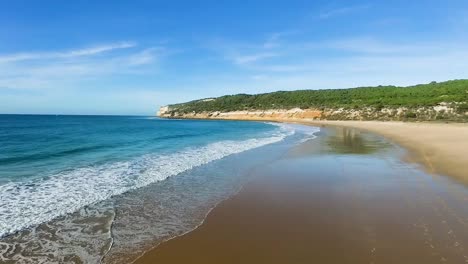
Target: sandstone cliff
440, 112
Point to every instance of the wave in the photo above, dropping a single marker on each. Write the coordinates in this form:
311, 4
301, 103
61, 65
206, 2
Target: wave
26, 204
48, 155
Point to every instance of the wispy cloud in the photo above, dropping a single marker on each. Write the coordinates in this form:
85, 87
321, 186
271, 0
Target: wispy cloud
97, 49
146, 56
65, 54
251, 58
244, 54
283, 61
57, 69
341, 11
378, 58
341, 62
274, 39
348, 71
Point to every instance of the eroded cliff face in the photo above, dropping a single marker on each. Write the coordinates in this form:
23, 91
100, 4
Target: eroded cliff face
439, 112
273, 114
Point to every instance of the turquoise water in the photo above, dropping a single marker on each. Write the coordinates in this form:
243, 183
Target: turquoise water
93, 188
38, 146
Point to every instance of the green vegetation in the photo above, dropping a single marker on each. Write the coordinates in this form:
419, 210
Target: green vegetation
424, 95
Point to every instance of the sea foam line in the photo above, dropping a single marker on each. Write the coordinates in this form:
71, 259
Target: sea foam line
27, 204
310, 132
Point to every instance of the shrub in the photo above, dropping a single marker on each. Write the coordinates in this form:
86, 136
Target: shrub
410, 115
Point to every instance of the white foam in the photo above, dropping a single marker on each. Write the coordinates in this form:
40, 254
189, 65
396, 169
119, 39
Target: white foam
308, 131
30, 203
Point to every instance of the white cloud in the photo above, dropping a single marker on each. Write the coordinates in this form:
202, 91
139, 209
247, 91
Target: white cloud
251, 58
342, 63
338, 63
146, 56
66, 54
69, 69
244, 54
97, 49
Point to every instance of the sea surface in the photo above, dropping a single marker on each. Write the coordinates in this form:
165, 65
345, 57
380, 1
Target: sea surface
91, 189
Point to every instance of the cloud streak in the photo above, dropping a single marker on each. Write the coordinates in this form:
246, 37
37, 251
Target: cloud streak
69, 69
340, 63
252, 58
66, 54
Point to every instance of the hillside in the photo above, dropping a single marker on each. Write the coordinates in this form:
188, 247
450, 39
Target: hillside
433, 101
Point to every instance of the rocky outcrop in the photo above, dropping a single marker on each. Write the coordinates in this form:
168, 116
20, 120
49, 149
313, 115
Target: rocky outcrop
163, 111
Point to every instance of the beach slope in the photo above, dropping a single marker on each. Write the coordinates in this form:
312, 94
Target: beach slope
344, 197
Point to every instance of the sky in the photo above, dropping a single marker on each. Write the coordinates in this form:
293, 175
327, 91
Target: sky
130, 57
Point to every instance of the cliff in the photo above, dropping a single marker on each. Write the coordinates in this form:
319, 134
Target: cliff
245, 115
435, 101
439, 112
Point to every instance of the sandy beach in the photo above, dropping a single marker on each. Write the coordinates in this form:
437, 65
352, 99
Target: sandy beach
230, 132
346, 197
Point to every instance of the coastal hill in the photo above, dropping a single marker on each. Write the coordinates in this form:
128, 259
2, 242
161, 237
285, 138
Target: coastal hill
434, 101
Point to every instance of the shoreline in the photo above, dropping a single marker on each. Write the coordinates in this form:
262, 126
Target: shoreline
263, 223
438, 147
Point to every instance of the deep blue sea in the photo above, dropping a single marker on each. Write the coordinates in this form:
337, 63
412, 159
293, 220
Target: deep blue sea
87, 187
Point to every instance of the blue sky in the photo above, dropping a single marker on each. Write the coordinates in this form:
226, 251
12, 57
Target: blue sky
130, 57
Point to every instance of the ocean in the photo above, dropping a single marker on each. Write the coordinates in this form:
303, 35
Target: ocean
90, 189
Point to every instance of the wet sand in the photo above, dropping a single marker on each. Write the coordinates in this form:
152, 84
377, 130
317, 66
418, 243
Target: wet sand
345, 197
440, 147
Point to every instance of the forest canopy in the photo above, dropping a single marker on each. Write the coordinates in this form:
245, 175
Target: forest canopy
377, 97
